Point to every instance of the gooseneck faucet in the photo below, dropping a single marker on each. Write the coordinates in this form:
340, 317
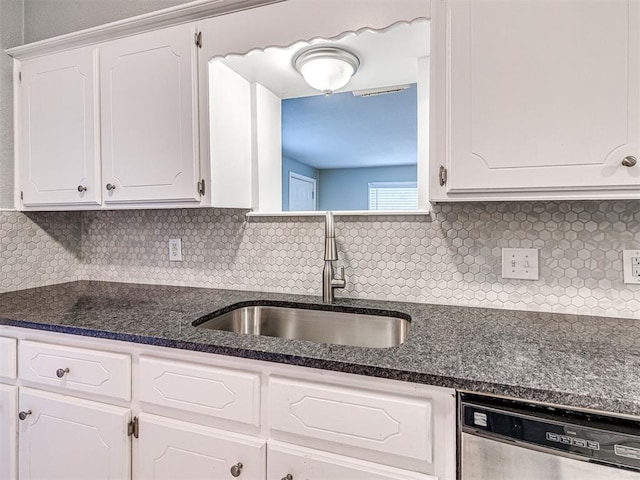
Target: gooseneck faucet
329, 279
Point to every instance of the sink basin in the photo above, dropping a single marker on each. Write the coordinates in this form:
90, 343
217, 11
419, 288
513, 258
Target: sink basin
321, 324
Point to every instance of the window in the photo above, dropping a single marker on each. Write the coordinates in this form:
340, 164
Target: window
393, 196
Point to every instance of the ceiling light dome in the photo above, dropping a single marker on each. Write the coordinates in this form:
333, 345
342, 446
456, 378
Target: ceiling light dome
327, 68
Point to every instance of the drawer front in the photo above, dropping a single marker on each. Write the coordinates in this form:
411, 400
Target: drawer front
367, 419
215, 392
89, 371
8, 368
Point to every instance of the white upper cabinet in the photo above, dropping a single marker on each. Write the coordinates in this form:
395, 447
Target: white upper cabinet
115, 124
149, 117
542, 100
59, 130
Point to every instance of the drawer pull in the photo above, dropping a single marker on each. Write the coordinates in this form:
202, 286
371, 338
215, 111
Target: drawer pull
61, 372
236, 470
288, 477
629, 161
82, 188
110, 187
24, 415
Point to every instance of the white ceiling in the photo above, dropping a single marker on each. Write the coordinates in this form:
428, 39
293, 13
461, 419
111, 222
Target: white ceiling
387, 57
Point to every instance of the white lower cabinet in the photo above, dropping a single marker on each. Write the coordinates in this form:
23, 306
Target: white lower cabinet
68, 438
154, 413
8, 434
307, 464
173, 450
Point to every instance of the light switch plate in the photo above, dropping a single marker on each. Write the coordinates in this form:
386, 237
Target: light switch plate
631, 266
520, 263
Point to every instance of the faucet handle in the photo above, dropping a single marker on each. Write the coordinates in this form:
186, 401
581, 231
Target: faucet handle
338, 281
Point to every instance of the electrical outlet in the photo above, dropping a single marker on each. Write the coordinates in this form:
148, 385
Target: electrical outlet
175, 250
520, 263
631, 266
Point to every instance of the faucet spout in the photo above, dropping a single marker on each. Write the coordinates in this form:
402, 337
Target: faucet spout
329, 278
330, 249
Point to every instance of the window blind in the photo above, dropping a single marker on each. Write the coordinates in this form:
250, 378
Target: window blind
393, 196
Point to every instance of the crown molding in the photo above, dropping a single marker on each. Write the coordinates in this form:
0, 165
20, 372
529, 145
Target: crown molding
184, 13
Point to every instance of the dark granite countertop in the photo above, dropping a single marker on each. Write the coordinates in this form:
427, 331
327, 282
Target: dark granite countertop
582, 361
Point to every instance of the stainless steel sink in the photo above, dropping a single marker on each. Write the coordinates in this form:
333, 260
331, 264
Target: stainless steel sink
341, 326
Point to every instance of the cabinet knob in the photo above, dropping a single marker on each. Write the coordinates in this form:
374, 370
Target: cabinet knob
236, 470
61, 372
82, 188
288, 477
629, 161
110, 186
24, 415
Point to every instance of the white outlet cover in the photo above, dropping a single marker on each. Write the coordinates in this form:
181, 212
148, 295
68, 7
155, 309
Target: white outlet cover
631, 266
520, 263
175, 250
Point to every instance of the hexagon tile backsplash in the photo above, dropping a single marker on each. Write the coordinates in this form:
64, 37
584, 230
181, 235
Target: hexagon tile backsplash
38, 249
452, 259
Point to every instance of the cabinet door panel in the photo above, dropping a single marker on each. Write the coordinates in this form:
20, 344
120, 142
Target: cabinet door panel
149, 117
172, 450
544, 95
67, 438
59, 148
307, 464
8, 434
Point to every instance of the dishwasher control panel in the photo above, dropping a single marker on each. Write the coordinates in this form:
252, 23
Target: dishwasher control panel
592, 437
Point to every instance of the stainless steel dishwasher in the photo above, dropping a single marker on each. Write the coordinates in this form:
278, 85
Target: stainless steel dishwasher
503, 439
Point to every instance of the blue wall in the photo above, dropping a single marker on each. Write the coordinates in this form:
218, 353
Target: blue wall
348, 188
291, 165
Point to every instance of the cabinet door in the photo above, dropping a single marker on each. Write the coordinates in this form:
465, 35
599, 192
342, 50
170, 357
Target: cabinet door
543, 96
67, 438
8, 434
149, 117
307, 464
172, 450
59, 143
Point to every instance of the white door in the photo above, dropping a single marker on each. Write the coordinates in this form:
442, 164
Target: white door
8, 434
307, 464
59, 145
66, 438
302, 193
149, 117
172, 450
543, 95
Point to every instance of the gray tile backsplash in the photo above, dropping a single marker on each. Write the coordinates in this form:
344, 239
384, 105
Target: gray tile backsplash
452, 259
38, 249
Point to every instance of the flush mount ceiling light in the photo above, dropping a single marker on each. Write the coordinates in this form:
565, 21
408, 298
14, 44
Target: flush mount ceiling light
326, 68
